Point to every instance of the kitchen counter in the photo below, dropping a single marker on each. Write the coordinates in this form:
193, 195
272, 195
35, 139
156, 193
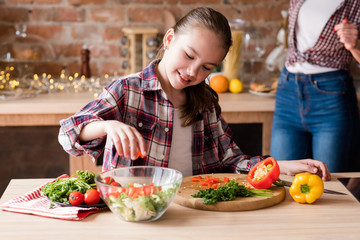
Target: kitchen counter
62, 104
330, 217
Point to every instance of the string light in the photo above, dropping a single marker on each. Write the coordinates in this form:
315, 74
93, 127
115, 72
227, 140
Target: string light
45, 83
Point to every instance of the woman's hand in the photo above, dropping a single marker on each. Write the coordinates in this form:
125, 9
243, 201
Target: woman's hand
127, 140
305, 165
349, 35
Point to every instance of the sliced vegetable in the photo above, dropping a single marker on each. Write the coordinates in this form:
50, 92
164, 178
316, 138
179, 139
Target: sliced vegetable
306, 188
140, 203
207, 181
115, 184
108, 180
196, 179
228, 192
135, 191
264, 173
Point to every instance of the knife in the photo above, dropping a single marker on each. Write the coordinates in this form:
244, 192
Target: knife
288, 184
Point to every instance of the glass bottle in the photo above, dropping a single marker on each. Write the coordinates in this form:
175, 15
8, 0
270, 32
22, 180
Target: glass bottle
85, 62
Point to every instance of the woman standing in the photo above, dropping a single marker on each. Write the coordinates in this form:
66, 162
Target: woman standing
316, 113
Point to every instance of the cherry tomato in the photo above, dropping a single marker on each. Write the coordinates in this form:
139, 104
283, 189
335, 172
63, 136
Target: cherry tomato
76, 198
91, 197
108, 180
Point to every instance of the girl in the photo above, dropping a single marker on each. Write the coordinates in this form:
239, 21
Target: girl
167, 115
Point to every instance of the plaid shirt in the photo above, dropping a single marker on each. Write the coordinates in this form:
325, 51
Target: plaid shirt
139, 101
328, 51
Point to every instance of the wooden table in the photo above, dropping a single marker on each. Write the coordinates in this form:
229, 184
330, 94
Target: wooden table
49, 109
331, 217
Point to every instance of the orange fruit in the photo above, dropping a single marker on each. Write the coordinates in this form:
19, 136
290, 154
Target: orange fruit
219, 83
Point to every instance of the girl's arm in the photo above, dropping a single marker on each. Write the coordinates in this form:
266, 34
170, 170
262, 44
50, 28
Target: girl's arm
126, 139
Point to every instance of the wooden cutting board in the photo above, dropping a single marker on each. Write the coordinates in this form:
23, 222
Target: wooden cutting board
189, 188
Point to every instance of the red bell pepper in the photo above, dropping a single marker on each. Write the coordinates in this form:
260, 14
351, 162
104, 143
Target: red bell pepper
264, 173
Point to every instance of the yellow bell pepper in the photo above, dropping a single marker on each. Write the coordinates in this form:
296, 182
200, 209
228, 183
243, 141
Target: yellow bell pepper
306, 188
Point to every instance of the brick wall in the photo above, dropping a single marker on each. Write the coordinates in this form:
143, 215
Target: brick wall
68, 24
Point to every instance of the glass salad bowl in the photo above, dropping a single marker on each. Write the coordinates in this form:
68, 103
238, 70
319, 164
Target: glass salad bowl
139, 194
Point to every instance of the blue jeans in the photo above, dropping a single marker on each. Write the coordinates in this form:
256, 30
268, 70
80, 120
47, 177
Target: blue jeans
316, 116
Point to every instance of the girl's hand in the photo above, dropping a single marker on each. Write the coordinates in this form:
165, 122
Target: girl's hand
126, 139
305, 165
348, 34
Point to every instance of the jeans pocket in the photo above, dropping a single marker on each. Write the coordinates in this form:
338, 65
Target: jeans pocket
332, 86
282, 82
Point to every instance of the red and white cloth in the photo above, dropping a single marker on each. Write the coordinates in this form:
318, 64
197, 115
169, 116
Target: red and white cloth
33, 203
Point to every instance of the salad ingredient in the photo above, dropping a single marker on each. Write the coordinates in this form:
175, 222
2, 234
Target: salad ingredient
108, 180
60, 190
91, 197
139, 155
228, 192
115, 184
141, 203
264, 173
196, 178
76, 198
136, 190
306, 188
209, 181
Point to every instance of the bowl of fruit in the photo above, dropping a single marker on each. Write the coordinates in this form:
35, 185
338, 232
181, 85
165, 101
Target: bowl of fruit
138, 194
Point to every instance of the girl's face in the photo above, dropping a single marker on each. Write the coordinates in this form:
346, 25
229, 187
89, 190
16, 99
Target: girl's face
190, 57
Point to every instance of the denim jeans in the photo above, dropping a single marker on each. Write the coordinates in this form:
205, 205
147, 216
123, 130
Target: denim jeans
316, 116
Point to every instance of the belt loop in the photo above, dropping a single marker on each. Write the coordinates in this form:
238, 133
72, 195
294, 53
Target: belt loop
311, 79
286, 75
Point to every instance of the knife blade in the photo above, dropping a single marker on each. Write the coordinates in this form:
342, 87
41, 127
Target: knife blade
288, 184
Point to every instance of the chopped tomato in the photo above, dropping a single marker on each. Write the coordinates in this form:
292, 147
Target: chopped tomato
216, 180
226, 180
203, 183
139, 155
149, 190
136, 192
196, 179
114, 194
115, 184
108, 180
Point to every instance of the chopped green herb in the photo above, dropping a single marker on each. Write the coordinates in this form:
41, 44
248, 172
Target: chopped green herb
228, 192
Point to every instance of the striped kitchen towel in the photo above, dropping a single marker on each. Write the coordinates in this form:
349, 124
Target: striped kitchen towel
33, 203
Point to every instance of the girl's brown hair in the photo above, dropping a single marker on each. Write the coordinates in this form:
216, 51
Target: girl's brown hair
201, 96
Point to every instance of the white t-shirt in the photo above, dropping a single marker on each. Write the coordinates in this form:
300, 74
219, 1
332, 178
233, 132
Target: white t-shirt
312, 18
181, 146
